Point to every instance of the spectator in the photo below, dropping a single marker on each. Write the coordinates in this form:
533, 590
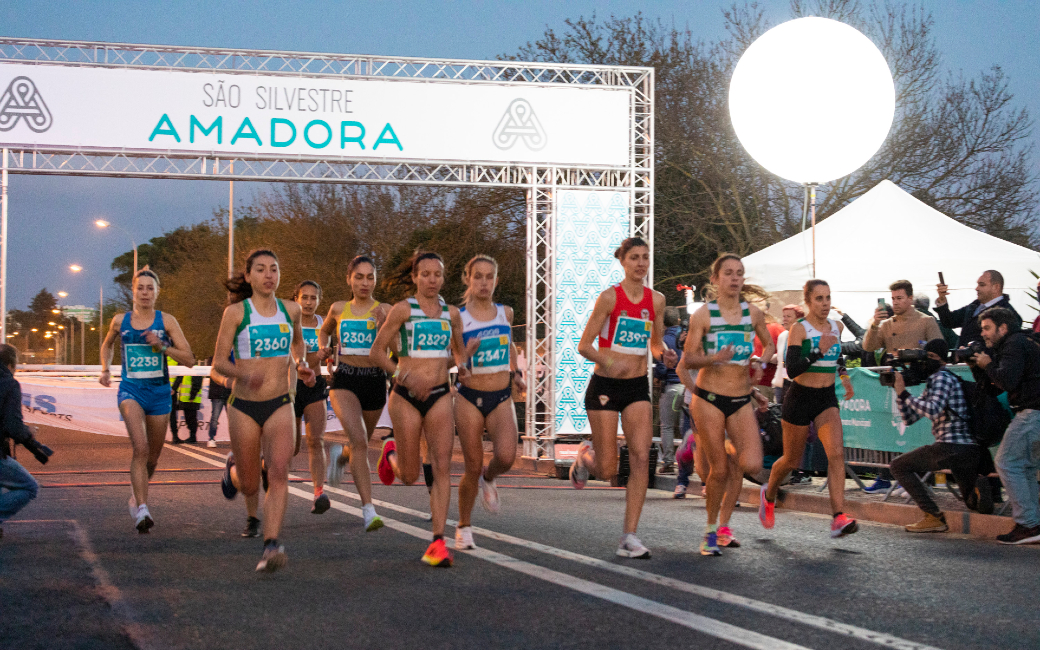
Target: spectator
906, 329
944, 404
1015, 368
765, 384
990, 292
854, 349
922, 303
684, 459
17, 486
219, 392
670, 403
788, 317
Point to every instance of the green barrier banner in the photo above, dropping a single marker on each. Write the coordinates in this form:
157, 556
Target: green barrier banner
870, 420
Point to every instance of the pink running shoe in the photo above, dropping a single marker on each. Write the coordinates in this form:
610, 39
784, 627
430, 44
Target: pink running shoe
765, 509
725, 537
842, 525
383, 467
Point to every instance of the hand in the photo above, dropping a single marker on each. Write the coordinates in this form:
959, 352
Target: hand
846, 381
879, 315
380, 316
838, 311
106, 378
464, 375
724, 355
761, 401
418, 386
324, 353
899, 385
827, 341
982, 359
756, 374
306, 375
518, 381
153, 340
671, 359
943, 291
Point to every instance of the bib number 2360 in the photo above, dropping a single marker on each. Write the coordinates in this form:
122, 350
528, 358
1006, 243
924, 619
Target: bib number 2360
270, 340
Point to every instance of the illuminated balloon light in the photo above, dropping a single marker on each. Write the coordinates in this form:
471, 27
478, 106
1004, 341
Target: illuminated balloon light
812, 100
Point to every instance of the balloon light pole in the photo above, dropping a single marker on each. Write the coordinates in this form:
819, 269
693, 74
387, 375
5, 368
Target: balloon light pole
810, 131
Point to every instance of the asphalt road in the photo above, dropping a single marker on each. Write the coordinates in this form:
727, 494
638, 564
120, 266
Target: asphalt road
75, 574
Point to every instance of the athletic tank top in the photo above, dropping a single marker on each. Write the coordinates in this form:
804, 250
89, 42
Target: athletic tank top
495, 337
423, 337
263, 337
310, 336
630, 324
828, 364
141, 364
722, 334
357, 333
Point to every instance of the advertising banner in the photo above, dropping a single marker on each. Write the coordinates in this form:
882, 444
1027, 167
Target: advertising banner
225, 114
589, 227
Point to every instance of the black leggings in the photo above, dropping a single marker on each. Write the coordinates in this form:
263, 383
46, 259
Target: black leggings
962, 460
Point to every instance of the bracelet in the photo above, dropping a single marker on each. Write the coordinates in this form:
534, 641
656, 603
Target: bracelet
764, 365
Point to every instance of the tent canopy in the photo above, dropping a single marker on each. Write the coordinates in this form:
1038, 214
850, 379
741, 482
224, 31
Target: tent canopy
888, 235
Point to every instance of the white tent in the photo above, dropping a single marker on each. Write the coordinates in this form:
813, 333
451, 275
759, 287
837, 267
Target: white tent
888, 235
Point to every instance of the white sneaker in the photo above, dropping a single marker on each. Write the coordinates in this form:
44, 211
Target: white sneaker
212, 444
334, 474
680, 492
464, 538
631, 547
143, 519
579, 474
273, 559
488, 494
372, 520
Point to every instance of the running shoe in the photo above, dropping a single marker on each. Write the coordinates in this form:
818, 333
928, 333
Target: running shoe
464, 538
842, 525
212, 444
710, 545
437, 554
226, 484
383, 467
321, 504
725, 538
252, 528
274, 558
631, 547
765, 509
334, 474
488, 494
144, 519
263, 474
1020, 535
879, 485
680, 492
579, 473
372, 520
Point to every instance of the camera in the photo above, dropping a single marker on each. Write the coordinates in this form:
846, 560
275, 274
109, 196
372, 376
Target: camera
964, 354
913, 364
39, 450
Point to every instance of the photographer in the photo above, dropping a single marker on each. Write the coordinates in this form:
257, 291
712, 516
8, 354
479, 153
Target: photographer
17, 486
990, 292
1015, 367
944, 404
906, 329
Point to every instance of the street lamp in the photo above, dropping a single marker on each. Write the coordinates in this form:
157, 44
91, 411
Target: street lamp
75, 268
101, 223
63, 294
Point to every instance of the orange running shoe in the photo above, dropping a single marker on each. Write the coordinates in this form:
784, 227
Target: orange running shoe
765, 509
383, 467
842, 525
437, 554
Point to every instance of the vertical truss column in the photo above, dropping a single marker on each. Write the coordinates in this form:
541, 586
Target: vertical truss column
540, 416
642, 173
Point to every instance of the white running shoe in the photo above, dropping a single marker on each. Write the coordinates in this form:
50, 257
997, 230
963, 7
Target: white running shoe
579, 473
212, 444
631, 547
464, 538
274, 558
372, 520
680, 492
334, 474
488, 494
143, 519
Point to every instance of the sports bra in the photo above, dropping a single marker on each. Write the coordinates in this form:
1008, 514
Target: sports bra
140, 363
722, 334
828, 363
357, 333
310, 336
263, 337
630, 324
496, 337
423, 337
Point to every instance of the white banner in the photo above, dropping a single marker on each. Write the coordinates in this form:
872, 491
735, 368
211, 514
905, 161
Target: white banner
83, 404
253, 114
589, 227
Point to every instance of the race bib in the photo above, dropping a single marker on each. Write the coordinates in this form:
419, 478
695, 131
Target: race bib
310, 338
142, 362
742, 342
492, 355
832, 353
269, 340
631, 335
430, 337
356, 336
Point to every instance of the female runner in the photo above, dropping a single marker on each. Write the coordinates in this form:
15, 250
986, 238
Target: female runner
147, 337
627, 317
813, 359
358, 385
430, 330
487, 395
310, 400
719, 345
267, 338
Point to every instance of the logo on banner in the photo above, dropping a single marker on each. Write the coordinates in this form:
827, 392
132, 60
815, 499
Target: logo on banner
23, 100
519, 122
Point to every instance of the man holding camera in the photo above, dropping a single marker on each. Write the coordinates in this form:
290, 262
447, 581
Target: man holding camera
990, 292
906, 329
942, 402
17, 486
1015, 368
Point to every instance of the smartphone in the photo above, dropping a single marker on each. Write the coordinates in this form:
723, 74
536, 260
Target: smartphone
881, 302
941, 281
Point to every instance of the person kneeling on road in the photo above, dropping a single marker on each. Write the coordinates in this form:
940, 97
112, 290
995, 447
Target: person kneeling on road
954, 449
1015, 367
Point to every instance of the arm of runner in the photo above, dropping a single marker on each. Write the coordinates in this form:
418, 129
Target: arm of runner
394, 320
327, 333
229, 322
298, 345
514, 355
768, 347
600, 313
107, 351
460, 351
180, 351
794, 362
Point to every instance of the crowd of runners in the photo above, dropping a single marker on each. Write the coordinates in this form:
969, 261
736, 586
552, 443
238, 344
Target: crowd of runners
400, 356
